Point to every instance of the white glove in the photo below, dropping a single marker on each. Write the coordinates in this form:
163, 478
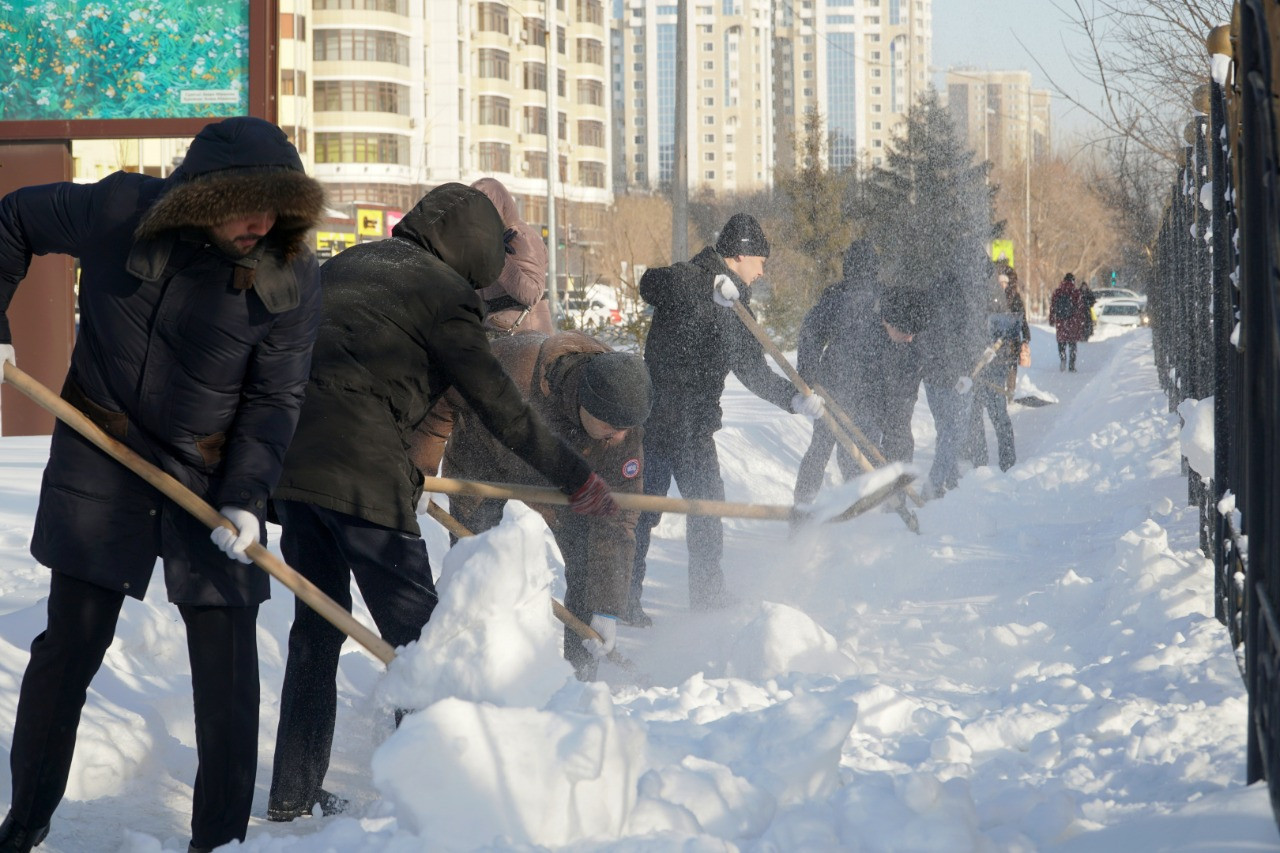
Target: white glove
424, 503
964, 385
607, 628
725, 292
7, 354
988, 354
809, 405
234, 544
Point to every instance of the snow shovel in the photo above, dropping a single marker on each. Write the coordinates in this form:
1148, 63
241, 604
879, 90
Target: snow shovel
192, 503
582, 629
661, 503
965, 383
846, 440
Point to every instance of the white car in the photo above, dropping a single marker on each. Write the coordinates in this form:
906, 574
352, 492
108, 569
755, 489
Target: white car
1106, 294
1120, 312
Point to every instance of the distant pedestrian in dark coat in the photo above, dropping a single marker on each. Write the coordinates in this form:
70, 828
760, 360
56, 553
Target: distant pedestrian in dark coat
695, 339
859, 346
402, 324
595, 399
1067, 314
198, 310
1015, 306
1088, 297
515, 303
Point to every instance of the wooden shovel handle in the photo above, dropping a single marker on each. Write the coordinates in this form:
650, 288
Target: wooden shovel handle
626, 500
192, 503
846, 440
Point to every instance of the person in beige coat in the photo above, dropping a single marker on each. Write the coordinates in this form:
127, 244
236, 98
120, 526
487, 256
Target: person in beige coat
515, 301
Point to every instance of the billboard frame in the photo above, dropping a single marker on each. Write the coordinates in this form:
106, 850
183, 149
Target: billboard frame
264, 33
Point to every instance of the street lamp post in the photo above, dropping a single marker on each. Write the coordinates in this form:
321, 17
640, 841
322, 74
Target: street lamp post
553, 162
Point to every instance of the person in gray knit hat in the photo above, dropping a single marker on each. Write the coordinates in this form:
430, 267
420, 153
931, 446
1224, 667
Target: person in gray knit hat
594, 399
199, 305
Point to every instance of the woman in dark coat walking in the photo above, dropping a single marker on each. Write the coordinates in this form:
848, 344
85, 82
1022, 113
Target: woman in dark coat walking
1068, 314
402, 324
198, 310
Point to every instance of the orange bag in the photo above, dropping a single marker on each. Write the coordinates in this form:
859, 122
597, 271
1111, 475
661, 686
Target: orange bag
1024, 356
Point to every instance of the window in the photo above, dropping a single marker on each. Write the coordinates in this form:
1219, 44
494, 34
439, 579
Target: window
591, 133
591, 51
591, 12
562, 127
494, 157
535, 76
535, 120
708, 102
708, 119
709, 138
362, 148
535, 164
711, 176
535, 31
492, 18
293, 82
361, 96
493, 63
710, 156
360, 46
495, 110
591, 174
591, 92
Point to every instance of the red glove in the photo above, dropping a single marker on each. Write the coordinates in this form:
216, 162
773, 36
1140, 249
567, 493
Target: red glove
593, 498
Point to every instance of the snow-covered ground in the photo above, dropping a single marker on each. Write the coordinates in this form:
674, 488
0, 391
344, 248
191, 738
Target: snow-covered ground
1039, 669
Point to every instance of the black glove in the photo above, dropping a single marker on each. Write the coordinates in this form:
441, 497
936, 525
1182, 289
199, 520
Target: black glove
507, 237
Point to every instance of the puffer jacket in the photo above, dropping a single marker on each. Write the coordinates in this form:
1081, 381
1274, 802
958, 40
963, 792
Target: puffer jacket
402, 324
693, 343
194, 359
523, 281
548, 372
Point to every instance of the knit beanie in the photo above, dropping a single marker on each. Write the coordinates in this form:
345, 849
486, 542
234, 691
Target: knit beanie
742, 235
615, 388
905, 308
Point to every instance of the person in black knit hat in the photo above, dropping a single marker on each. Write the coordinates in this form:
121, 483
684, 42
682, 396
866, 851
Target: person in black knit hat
199, 302
595, 400
695, 339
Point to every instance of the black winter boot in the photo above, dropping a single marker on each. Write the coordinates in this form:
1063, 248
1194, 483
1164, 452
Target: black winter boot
16, 838
330, 805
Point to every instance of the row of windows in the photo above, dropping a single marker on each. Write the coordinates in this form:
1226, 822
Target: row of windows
494, 157
397, 7
362, 96
362, 148
361, 46
495, 110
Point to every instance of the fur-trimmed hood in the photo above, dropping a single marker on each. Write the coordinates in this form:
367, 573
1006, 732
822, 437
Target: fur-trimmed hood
238, 166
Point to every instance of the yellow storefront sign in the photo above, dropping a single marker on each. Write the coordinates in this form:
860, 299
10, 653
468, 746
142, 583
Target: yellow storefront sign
1002, 250
369, 222
334, 241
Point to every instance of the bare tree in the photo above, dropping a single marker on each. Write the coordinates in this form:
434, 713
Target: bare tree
1149, 57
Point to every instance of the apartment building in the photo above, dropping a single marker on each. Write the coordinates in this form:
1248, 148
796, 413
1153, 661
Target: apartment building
860, 63
729, 109
756, 69
999, 113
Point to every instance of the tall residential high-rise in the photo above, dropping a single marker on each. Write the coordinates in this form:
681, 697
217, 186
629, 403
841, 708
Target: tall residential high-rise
999, 114
756, 69
860, 64
730, 111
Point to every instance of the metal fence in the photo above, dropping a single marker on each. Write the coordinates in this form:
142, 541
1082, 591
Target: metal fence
1215, 311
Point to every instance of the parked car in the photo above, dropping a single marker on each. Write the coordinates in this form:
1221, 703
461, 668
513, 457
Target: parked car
1106, 294
1120, 312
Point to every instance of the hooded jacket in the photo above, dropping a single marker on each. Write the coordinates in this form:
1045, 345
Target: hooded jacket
192, 358
523, 280
845, 349
548, 371
402, 324
693, 343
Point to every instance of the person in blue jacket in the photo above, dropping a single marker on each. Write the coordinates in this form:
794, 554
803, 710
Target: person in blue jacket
199, 304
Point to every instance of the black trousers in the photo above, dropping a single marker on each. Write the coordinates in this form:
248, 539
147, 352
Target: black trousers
222, 645
813, 465
394, 574
696, 469
1067, 353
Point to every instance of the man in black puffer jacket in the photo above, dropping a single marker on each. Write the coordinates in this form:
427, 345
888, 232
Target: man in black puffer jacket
695, 340
858, 343
199, 304
402, 324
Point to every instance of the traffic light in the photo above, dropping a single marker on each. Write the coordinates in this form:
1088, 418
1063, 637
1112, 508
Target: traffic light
545, 234
1113, 278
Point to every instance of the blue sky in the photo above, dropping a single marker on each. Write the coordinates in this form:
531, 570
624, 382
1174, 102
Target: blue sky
1016, 34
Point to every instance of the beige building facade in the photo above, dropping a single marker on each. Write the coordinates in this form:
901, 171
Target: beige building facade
999, 113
